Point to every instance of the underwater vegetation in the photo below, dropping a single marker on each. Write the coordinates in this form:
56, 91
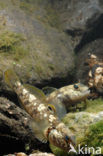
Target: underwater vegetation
87, 128
10, 44
94, 136
50, 16
94, 106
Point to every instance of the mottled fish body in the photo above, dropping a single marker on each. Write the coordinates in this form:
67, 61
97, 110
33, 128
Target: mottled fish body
69, 95
45, 123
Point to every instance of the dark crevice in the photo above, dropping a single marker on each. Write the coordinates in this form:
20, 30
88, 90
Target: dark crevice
57, 82
95, 32
10, 96
74, 33
16, 146
8, 115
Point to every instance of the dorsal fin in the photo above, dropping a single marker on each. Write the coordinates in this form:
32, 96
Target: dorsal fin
35, 91
10, 78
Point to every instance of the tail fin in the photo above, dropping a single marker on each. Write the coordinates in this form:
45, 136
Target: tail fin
10, 78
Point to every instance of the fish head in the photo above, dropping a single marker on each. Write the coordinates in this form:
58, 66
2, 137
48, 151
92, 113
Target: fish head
76, 92
60, 136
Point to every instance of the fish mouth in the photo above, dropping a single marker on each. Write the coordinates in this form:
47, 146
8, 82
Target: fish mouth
85, 94
81, 96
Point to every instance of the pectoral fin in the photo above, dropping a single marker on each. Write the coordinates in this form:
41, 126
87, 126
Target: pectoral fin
38, 131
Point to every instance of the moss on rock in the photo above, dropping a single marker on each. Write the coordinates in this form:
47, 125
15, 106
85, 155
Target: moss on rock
94, 106
57, 151
46, 54
10, 44
86, 125
94, 135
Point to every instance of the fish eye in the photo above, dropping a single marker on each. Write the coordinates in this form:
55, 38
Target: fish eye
51, 108
66, 138
76, 86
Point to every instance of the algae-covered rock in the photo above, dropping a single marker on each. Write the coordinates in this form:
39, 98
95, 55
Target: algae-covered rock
57, 151
31, 42
94, 136
86, 125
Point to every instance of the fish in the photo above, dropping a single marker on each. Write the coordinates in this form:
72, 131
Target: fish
60, 108
44, 121
69, 95
95, 75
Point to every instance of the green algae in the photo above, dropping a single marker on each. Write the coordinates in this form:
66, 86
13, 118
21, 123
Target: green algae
2, 5
87, 131
94, 106
93, 136
27, 7
11, 45
51, 17
30, 6
57, 151
8, 40
19, 53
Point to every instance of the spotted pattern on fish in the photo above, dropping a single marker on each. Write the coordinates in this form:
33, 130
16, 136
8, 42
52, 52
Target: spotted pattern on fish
32, 105
45, 123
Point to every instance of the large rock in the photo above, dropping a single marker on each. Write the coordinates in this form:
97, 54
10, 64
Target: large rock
82, 19
15, 131
32, 43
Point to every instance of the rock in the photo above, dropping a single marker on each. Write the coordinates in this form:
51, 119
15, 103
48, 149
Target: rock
41, 154
15, 132
39, 52
95, 48
35, 154
81, 19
